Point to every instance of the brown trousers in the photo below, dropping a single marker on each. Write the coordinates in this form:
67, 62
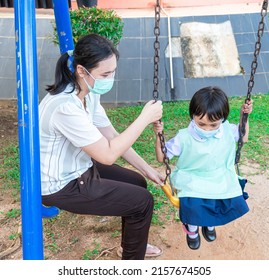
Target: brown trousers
111, 190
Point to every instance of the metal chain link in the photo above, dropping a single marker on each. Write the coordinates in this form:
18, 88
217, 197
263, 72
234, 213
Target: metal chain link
156, 91
254, 65
156, 51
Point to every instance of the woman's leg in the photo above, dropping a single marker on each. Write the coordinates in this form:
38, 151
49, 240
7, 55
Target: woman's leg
118, 173
90, 194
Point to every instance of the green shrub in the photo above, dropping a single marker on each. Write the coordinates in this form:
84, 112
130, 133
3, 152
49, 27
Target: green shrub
94, 20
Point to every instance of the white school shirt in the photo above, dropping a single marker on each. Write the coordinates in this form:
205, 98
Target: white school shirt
173, 145
65, 126
205, 167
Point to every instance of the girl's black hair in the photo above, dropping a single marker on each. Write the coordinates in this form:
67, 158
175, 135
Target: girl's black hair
210, 101
88, 52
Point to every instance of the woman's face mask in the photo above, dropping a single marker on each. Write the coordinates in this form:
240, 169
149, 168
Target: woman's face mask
101, 86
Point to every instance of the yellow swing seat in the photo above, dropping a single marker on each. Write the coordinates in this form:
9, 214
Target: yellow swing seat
170, 195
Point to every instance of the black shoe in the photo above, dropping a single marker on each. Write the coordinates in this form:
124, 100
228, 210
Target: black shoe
209, 235
193, 243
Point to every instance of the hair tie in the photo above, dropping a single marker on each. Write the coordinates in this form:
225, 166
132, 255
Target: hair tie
70, 52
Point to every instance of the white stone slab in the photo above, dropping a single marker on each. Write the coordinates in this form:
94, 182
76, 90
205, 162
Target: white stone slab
209, 50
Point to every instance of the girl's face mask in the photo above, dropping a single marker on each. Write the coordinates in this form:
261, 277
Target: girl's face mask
204, 133
101, 86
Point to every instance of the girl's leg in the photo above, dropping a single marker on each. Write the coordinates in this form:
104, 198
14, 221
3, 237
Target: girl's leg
90, 194
209, 233
192, 236
193, 231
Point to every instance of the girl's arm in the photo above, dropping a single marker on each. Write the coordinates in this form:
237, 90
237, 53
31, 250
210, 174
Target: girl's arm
158, 128
246, 108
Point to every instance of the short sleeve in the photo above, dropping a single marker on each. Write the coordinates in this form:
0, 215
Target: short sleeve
100, 118
75, 124
173, 147
235, 131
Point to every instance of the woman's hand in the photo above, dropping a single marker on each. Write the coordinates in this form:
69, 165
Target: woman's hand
152, 111
154, 176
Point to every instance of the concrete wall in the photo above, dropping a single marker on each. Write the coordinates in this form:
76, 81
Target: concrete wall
47, 56
135, 70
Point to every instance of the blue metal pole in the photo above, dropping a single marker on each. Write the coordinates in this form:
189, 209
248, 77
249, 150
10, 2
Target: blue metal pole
64, 30
27, 91
63, 25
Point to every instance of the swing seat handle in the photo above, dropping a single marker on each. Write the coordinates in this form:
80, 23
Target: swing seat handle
173, 198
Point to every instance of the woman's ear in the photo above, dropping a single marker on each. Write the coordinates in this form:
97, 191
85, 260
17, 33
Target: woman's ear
81, 71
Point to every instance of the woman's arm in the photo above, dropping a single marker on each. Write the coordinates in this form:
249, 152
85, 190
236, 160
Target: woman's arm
134, 159
107, 150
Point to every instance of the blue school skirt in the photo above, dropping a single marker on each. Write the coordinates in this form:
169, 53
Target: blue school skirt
212, 212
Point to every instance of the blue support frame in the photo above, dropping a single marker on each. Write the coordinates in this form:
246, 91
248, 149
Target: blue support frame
63, 25
27, 91
28, 120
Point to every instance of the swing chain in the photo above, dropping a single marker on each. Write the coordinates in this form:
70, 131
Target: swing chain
156, 51
254, 65
156, 83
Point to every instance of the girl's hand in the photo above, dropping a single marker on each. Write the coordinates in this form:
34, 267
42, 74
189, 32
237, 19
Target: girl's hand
247, 107
158, 127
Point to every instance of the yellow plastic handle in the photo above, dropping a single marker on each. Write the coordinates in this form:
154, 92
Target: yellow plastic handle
168, 192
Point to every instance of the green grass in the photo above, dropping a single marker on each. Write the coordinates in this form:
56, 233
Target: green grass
175, 117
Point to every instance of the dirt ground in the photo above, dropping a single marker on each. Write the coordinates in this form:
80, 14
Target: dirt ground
74, 237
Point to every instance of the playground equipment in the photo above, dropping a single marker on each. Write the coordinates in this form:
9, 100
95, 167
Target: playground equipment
168, 187
27, 91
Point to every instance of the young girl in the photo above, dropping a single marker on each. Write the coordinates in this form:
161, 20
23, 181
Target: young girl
204, 176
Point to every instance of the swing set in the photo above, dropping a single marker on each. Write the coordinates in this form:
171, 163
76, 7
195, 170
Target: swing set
168, 187
26, 66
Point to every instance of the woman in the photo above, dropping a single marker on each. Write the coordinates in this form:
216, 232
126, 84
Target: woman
79, 147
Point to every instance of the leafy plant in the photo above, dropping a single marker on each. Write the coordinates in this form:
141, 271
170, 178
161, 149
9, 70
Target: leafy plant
94, 20
52, 246
92, 254
13, 213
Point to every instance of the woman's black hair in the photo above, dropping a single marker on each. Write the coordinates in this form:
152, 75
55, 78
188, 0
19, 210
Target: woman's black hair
210, 101
88, 52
